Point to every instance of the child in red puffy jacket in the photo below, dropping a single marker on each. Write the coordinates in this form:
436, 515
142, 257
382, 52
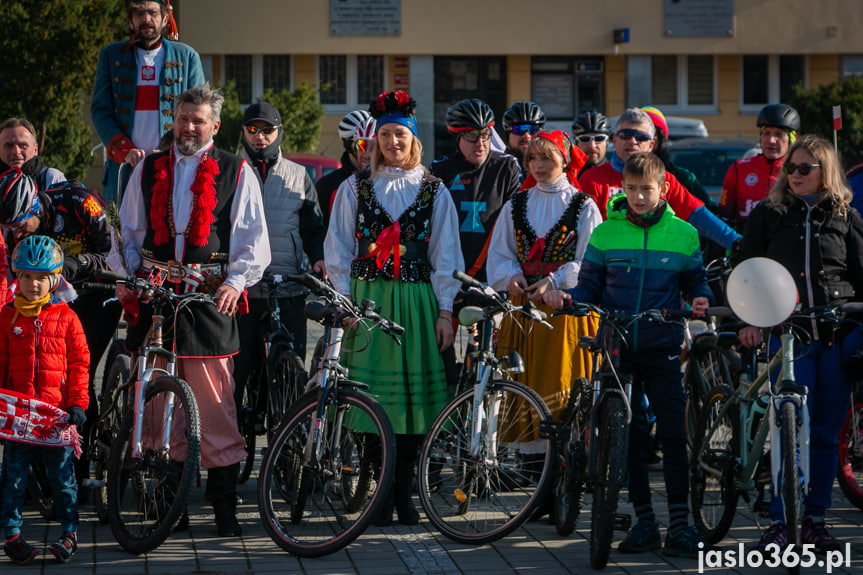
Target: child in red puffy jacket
43, 354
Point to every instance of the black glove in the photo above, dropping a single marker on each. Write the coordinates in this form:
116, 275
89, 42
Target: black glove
75, 267
77, 416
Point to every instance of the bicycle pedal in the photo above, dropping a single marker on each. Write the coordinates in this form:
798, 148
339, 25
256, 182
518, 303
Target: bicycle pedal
550, 429
622, 521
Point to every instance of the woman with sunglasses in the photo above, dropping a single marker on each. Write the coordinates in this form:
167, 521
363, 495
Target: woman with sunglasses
807, 224
591, 132
394, 239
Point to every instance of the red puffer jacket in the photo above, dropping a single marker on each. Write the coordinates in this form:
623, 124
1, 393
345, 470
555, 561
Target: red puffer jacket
48, 359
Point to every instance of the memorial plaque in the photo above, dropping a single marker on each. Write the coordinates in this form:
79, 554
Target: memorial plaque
365, 17
699, 18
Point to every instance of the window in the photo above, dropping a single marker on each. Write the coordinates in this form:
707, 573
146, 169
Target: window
239, 69
769, 79
354, 81
565, 87
684, 82
277, 72
663, 81
852, 66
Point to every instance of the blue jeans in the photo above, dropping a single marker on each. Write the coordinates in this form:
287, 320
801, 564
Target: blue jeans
59, 465
821, 368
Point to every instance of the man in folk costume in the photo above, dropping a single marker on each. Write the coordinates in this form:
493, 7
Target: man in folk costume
136, 84
197, 211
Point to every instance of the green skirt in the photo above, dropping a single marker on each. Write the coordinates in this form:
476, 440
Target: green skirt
407, 380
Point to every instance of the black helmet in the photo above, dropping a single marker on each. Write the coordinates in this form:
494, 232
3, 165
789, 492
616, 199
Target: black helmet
591, 122
523, 113
17, 191
779, 115
471, 114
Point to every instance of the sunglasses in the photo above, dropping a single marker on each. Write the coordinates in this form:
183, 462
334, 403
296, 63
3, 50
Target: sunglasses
474, 137
521, 129
265, 131
598, 138
363, 145
628, 134
790, 168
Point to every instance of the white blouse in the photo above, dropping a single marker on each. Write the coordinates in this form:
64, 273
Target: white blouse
545, 206
395, 190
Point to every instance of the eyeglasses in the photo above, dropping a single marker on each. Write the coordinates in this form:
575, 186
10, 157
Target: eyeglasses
790, 168
521, 129
598, 138
628, 134
265, 131
474, 137
140, 13
363, 145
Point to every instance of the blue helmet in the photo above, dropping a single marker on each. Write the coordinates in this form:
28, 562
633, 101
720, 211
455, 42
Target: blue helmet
37, 254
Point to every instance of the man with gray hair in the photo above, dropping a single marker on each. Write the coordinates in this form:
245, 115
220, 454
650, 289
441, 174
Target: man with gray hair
196, 213
633, 133
19, 149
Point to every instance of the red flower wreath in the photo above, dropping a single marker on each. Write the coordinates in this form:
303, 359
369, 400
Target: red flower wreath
402, 98
204, 190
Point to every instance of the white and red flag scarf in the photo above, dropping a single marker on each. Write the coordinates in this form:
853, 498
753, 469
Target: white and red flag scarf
27, 420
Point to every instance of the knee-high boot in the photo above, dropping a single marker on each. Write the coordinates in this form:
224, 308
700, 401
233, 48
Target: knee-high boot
222, 492
406, 459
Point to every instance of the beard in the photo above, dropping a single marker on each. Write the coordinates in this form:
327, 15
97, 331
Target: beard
191, 145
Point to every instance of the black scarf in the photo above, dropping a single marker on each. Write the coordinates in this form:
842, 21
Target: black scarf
262, 159
647, 220
32, 167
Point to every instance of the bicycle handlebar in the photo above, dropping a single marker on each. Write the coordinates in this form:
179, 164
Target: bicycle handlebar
150, 288
573, 307
498, 300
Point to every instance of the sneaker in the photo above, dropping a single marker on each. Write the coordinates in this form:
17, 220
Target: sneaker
644, 536
816, 534
19, 551
686, 542
654, 461
65, 547
774, 534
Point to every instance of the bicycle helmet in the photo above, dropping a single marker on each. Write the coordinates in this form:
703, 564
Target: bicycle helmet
470, 114
523, 113
591, 122
780, 116
350, 122
365, 130
37, 254
17, 195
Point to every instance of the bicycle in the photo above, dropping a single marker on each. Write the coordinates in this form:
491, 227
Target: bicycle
735, 424
275, 380
485, 464
850, 472
150, 414
329, 468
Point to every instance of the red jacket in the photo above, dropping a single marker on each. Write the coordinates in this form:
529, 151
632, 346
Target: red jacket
49, 362
746, 183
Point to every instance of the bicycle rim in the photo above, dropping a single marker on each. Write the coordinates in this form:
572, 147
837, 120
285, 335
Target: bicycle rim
148, 495
712, 481
478, 499
118, 373
568, 486
300, 501
705, 372
850, 473
792, 493
287, 381
607, 479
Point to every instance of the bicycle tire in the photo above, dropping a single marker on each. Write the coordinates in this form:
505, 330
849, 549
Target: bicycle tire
40, 489
570, 476
247, 422
324, 525
714, 368
357, 478
792, 496
148, 495
714, 494
104, 432
850, 472
287, 380
607, 477
480, 499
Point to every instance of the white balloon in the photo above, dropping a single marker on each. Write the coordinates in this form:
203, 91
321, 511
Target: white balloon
761, 292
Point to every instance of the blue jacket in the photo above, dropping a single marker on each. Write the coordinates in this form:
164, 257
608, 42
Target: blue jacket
630, 268
113, 107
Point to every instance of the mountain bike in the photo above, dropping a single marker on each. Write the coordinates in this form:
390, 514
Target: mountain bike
152, 415
276, 379
329, 467
735, 426
485, 464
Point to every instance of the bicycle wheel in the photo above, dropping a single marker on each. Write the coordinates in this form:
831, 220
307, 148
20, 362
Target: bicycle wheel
479, 498
792, 493
250, 423
299, 496
39, 489
708, 368
850, 473
607, 477
357, 477
107, 428
287, 382
570, 476
147, 495
713, 478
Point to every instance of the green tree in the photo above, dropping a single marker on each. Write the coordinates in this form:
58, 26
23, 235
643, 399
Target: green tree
816, 115
301, 114
48, 53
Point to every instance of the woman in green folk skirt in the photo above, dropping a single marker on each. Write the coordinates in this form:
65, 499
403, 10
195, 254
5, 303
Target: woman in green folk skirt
393, 238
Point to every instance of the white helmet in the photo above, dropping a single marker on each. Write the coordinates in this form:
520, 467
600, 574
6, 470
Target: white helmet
365, 130
350, 122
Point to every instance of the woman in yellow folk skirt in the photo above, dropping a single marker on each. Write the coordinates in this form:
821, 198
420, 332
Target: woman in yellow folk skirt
538, 243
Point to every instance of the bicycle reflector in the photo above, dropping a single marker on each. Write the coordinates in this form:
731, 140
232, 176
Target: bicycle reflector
761, 292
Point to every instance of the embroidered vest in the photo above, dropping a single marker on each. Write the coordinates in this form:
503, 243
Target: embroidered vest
415, 227
558, 245
219, 240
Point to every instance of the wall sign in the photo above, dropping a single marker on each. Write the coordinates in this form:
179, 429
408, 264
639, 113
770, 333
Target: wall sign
365, 17
699, 18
